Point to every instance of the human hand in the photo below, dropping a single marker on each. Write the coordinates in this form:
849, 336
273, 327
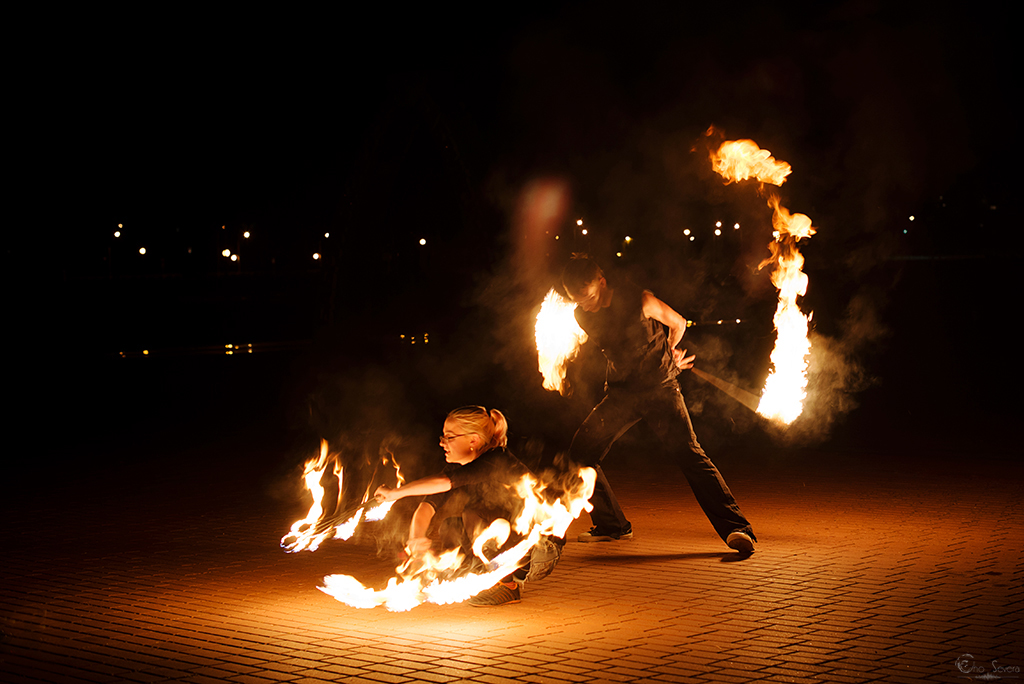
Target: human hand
385, 493
418, 545
682, 361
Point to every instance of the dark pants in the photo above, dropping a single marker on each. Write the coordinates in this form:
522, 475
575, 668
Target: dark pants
665, 412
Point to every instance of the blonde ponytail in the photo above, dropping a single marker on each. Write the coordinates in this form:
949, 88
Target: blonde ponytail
491, 426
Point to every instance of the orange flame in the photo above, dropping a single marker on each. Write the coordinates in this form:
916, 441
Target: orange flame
437, 579
380, 510
304, 534
308, 533
559, 337
738, 160
785, 388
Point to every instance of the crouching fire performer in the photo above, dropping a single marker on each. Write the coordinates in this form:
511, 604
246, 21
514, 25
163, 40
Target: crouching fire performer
638, 334
476, 486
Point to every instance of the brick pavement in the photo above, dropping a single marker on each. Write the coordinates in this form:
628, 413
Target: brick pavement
859, 577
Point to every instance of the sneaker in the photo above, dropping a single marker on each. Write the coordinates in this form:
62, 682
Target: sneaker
595, 535
741, 542
500, 594
543, 558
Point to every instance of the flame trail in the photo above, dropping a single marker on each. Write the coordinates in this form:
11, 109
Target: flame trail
785, 388
441, 579
378, 512
559, 337
308, 533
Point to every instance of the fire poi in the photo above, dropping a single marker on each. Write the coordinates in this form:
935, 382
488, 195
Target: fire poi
640, 336
446, 576
785, 388
558, 339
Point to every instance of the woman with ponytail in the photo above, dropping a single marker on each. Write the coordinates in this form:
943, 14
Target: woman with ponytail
476, 484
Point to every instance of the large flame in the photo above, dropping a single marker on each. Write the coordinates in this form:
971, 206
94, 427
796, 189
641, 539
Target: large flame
785, 388
443, 579
559, 337
737, 160
308, 533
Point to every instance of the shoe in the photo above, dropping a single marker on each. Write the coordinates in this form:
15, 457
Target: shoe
595, 535
499, 595
741, 542
544, 556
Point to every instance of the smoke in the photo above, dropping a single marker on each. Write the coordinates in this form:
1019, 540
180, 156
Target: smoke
871, 125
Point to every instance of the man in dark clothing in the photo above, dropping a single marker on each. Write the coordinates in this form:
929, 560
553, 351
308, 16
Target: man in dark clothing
638, 334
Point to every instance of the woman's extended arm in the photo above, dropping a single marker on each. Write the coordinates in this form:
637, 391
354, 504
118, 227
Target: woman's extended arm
435, 484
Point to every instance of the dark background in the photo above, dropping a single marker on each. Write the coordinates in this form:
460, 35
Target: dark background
383, 128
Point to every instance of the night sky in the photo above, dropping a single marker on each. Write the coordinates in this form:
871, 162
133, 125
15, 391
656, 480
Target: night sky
382, 129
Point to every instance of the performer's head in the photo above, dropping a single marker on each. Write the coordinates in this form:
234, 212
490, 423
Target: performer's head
584, 282
472, 430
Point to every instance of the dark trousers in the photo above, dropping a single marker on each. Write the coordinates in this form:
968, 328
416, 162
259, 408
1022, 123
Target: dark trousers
665, 411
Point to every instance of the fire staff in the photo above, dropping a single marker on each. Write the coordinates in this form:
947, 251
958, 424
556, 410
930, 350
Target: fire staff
638, 334
476, 485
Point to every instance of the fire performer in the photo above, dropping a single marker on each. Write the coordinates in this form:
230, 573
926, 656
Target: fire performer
477, 484
638, 334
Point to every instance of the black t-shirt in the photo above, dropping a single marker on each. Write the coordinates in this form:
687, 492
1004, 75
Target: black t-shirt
485, 485
636, 346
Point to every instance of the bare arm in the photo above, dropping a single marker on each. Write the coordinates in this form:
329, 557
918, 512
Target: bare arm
418, 540
435, 484
676, 324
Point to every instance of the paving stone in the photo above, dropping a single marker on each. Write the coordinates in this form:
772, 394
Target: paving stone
207, 596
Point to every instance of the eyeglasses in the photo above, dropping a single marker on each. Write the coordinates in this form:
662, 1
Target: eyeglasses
446, 439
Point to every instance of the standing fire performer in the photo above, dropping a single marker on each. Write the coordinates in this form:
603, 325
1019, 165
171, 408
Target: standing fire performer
638, 334
477, 485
